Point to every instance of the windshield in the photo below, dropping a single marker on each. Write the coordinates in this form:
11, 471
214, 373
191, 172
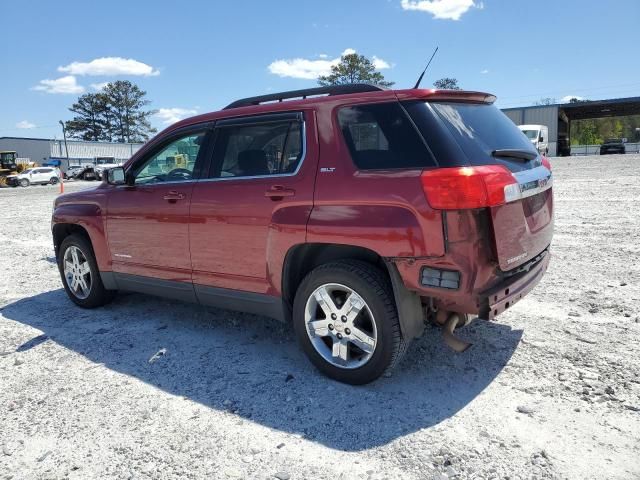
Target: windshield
531, 134
613, 140
27, 171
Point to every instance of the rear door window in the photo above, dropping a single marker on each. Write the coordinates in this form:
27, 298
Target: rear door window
381, 136
261, 149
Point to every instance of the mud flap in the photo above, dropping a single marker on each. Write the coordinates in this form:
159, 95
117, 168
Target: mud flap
408, 304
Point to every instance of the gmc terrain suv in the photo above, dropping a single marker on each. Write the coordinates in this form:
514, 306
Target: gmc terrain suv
353, 211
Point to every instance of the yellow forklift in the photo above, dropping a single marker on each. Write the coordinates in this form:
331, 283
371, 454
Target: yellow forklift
8, 165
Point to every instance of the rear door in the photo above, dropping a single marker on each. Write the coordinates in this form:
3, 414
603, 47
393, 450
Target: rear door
480, 134
256, 202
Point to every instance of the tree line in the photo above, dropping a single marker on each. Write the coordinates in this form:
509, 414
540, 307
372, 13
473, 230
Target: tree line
118, 113
114, 114
595, 131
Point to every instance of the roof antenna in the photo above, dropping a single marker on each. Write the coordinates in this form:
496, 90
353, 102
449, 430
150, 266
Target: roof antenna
425, 68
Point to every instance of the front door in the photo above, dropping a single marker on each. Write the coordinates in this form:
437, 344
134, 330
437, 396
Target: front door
147, 219
255, 204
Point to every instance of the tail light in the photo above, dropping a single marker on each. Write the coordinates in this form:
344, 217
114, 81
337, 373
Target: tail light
461, 188
546, 163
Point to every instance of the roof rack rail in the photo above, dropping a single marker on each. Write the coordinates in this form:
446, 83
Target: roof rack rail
308, 92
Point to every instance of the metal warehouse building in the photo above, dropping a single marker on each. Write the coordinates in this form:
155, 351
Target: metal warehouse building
40, 150
558, 117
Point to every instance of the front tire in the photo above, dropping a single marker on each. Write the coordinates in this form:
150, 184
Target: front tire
346, 321
24, 182
53, 181
80, 274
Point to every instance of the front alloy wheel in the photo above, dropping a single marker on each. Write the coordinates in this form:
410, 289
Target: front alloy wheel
80, 274
77, 272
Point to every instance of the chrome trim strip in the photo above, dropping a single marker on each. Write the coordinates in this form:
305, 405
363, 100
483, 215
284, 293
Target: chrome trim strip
303, 133
142, 185
530, 182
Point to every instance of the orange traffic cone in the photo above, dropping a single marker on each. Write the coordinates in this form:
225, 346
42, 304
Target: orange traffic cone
61, 185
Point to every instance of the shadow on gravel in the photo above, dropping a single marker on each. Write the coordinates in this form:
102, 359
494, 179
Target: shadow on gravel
251, 366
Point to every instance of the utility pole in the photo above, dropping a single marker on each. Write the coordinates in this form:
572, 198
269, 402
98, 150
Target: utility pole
64, 134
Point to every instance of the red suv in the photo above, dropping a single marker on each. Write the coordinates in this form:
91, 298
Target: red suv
353, 211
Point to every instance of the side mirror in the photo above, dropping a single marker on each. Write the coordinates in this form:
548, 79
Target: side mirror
541, 139
116, 176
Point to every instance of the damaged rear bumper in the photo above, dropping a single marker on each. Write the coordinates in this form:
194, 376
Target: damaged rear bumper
508, 292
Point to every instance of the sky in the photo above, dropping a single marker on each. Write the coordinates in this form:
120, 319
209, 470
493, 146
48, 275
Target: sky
196, 56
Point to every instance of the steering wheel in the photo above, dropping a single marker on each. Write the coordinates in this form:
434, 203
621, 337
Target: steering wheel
179, 174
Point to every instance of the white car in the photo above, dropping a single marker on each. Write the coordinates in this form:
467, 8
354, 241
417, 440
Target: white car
38, 175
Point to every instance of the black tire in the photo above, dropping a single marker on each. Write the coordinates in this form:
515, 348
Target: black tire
54, 180
374, 287
24, 182
98, 295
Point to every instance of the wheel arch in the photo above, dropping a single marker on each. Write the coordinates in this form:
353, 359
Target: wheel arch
61, 231
302, 259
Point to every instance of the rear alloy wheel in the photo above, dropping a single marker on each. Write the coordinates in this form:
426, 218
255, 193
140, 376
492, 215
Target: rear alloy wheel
80, 274
24, 182
346, 321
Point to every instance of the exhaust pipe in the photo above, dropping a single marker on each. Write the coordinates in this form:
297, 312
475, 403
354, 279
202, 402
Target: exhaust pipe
452, 321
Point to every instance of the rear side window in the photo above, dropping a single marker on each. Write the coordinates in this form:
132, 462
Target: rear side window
273, 148
381, 136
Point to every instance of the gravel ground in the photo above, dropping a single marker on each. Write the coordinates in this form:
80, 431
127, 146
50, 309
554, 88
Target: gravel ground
150, 388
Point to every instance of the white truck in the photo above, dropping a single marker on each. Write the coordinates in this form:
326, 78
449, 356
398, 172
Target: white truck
539, 136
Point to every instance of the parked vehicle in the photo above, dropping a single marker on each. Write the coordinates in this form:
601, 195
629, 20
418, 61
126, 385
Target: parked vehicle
539, 136
612, 145
85, 172
102, 164
73, 170
35, 176
355, 216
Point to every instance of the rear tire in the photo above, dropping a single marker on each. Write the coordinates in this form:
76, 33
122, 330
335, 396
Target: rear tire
80, 274
375, 327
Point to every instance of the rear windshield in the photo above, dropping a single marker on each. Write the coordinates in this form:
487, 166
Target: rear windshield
381, 136
478, 129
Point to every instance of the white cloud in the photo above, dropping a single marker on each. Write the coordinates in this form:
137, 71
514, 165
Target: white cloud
323, 55
99, 86
312, 69
567, 98
25, 124
443, 9
485, 71
380, 64
110, 66
59, 85
172, 115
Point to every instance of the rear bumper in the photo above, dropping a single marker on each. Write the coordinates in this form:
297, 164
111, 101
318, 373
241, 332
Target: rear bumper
483, 289
504, 295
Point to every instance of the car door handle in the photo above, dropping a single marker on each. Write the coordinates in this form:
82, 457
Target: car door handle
173, 196
278, 192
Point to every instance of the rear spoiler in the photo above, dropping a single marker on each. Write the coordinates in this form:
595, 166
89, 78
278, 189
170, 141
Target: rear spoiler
444, 95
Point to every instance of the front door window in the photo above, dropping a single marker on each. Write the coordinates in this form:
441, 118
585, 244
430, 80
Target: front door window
174, 163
